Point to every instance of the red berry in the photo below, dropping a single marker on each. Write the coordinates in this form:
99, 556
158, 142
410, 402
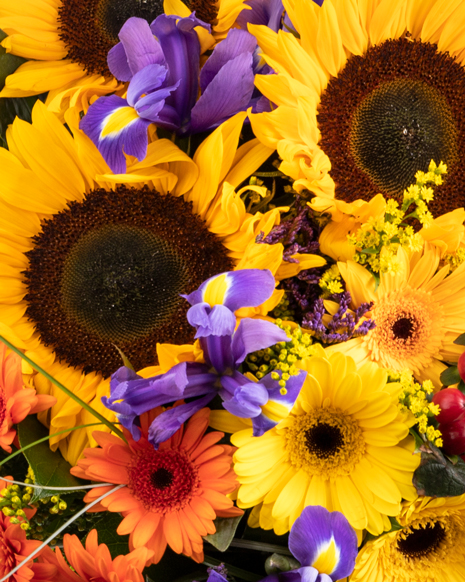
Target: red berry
452, 404
453, 436
461, 366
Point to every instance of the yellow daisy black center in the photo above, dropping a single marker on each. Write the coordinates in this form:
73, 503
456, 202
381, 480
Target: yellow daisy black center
388, 114
421, 541
110, 271
325, 442
89, 28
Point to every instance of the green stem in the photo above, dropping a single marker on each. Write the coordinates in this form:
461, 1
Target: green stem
68, 392
260, 547
249, 576
48, 437
276, 174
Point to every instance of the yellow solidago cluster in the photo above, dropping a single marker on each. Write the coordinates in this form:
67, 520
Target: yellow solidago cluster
331, 281
413, 398
378, 239
454, 260
282, 357
13, 500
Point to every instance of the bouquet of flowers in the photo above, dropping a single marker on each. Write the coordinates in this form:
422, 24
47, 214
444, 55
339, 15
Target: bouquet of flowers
232, 297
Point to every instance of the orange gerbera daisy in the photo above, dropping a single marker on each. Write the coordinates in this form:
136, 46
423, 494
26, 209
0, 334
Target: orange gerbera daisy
93, 562
173, 494
16, 401
14, 548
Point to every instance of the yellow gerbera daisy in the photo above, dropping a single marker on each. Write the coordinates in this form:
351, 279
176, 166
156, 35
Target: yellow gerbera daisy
89, 262
429, 548
419, 311
367, 93
67, 42
344, 446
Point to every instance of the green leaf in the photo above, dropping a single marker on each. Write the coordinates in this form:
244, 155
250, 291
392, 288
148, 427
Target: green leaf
461, 386
450, 376
8, 62
15, 107
50, 469
125, 359
460, 340
225, 530
106, 529
438, 477
419, 442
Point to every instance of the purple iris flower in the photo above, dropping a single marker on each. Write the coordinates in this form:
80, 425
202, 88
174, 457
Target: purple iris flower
323, 542
162, 64
266, 12
224, 348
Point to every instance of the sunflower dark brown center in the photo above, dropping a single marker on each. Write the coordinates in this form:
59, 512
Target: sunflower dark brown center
421, 541
403, 328
205, 10
324, 440
121, 281
109, 272
89, 28
387, 114
401, 125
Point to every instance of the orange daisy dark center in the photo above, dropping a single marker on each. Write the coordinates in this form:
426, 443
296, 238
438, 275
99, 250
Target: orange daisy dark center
110, 271
387, 114
89, 28
163, 481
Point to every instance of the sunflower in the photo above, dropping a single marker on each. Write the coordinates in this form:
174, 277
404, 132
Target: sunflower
173, 494
344, 446
67, 41
367, 94
419, 311
429, 548
91, 260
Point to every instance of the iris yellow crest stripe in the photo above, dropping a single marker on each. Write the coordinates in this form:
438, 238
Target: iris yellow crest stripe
215, 292
275, 410
118, 120
327, 559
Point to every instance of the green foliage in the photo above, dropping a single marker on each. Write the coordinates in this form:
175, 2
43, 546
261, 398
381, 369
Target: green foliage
8, 62
106, 528
450, 376
437, 476
225, 531
50, 469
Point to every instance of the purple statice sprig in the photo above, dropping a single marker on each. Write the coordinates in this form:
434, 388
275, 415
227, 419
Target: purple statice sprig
299, 233
344, 323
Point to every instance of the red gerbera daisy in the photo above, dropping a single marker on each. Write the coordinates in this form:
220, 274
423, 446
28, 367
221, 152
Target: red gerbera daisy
173, 494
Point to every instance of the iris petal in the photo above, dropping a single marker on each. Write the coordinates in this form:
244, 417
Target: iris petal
321, 537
